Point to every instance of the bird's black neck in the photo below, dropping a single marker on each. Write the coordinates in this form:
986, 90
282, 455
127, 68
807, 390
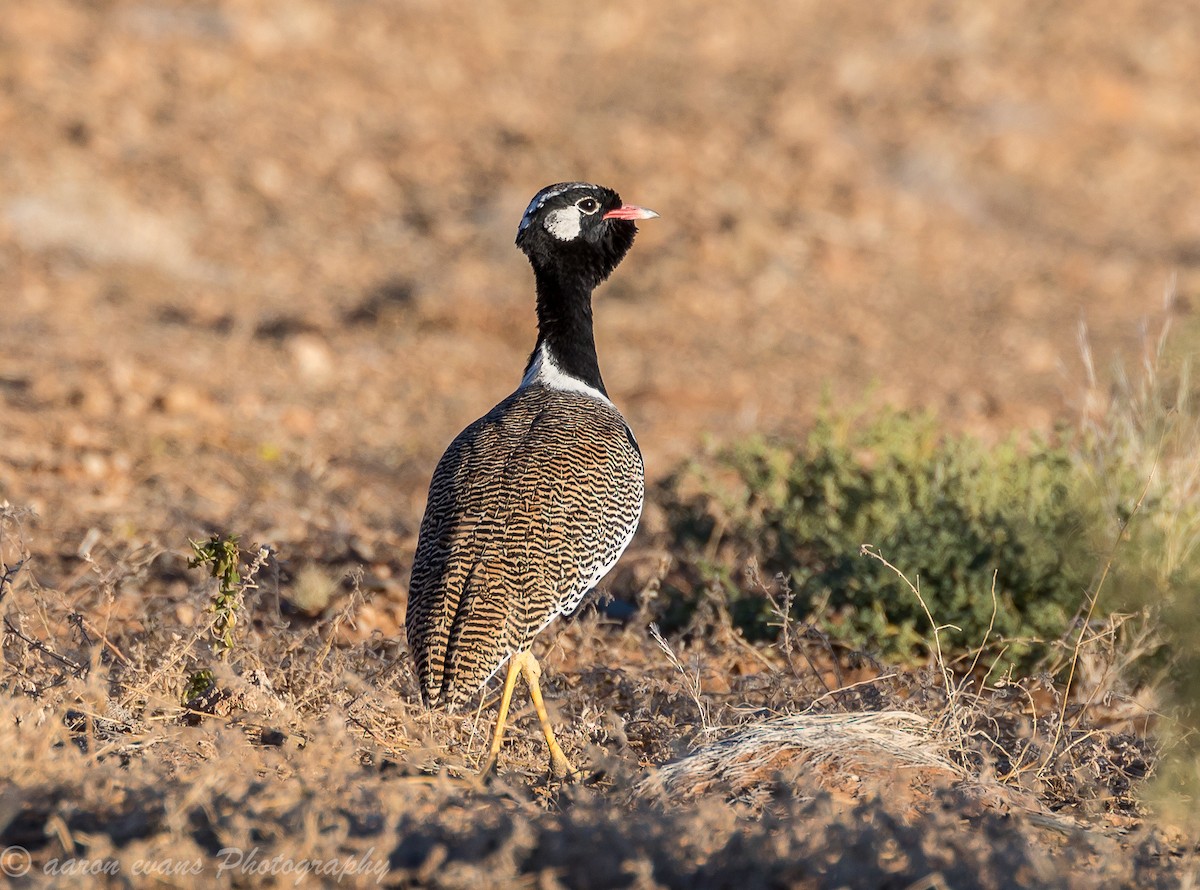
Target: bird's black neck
564, 313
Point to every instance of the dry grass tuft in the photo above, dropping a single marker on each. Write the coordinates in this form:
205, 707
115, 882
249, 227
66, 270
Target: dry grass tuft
755, 754
1146, 426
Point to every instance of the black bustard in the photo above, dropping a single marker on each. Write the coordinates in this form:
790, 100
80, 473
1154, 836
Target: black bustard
533, 503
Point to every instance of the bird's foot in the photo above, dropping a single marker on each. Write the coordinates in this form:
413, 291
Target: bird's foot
488, 771
561, 768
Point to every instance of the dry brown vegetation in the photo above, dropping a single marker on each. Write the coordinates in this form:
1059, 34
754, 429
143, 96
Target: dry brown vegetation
256, 269
311, 748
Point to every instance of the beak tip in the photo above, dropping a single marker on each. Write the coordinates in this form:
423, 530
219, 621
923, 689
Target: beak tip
631, 212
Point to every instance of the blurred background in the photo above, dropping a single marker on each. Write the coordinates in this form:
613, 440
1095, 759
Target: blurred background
257, 262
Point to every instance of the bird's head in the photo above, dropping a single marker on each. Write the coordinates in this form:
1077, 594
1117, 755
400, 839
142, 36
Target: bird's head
578, 229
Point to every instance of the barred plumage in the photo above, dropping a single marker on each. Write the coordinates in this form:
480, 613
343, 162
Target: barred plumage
529, 507
533, 503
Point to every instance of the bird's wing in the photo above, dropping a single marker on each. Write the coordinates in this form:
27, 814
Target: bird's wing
528, 509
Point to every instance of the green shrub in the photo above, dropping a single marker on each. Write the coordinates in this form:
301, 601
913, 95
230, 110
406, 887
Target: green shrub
944, 509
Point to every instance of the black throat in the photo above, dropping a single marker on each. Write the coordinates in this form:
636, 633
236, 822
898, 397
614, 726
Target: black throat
564, 313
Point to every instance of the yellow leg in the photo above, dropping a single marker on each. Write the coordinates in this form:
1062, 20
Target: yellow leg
510, 682
532, 671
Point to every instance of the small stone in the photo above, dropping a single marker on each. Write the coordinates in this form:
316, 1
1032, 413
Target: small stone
311, 356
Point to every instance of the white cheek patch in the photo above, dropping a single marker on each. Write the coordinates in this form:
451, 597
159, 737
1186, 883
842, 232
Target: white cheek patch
563, 224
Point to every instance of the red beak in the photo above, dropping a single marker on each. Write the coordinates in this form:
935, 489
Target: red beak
628, 211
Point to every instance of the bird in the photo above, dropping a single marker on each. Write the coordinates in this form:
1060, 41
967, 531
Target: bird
532, 504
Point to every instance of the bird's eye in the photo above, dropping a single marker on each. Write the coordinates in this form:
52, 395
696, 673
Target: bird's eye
588, 205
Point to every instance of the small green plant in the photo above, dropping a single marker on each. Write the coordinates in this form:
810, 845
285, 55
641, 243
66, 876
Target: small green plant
953, 513
199, 683
222, 557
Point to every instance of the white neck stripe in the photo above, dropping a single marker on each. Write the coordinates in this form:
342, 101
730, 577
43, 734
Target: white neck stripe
545, 372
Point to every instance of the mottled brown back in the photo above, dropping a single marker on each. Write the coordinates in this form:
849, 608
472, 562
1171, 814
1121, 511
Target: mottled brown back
528, 509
